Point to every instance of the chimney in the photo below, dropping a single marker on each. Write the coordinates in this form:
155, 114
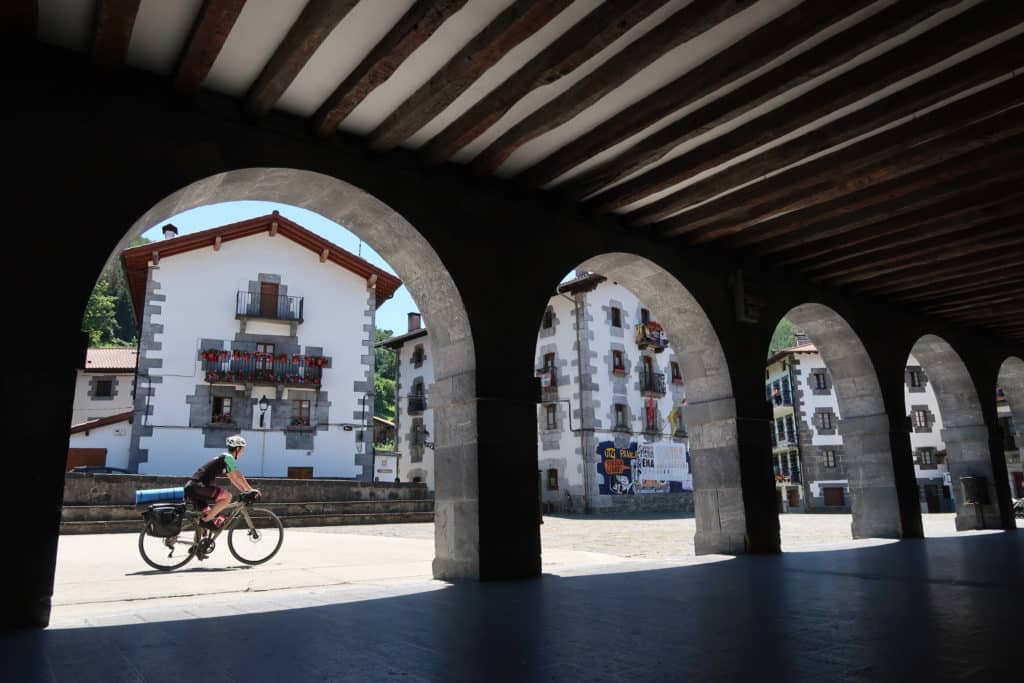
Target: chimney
414, 322
801, 338
170, 231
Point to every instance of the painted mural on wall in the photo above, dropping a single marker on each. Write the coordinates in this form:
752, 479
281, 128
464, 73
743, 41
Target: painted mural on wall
643, 469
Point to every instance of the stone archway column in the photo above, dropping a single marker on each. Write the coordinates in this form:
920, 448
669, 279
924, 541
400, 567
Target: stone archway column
717, 484
967, 455
867, 442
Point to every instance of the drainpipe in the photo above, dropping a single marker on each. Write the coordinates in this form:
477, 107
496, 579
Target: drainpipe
583, 427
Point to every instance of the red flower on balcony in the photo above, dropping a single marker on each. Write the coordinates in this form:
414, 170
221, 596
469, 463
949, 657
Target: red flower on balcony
316, 380
320, 362
236, 355
295, 358
246, 355
223, 355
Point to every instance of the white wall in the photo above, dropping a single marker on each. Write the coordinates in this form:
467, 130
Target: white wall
200, 287
811, 401
86, 408
932, 439
407, 373
116, 438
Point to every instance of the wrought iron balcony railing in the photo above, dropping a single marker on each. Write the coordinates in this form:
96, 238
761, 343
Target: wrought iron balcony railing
417, 403
224, 367
257, 305
652, 383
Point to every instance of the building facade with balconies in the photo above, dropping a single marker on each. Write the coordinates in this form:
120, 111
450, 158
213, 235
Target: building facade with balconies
807, 446
261, 328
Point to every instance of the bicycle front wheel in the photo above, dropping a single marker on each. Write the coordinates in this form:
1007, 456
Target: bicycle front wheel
170, 553
255, 536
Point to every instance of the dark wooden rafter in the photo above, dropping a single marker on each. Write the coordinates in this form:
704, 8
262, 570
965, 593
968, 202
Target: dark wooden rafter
866, 162
18, 19
965, 284
596, 31
743, 57
209, 32
904, 251
927, 276
998, 295
316, 21
112, 31
876, 202
653, 108
920, 53
981, 293
411, 31
516, 23
1009, 238
958, 212
687, 23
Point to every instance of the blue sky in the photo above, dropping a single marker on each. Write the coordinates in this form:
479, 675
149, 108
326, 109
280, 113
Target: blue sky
392, 315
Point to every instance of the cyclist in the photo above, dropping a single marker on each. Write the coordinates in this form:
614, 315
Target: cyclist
202, 489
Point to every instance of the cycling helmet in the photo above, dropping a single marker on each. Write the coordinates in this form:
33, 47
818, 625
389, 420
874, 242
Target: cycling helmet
235, 441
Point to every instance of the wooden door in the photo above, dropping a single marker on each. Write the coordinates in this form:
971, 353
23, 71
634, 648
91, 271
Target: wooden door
931, 497
268, 299
300, 472
86, 456
778, 499
1018, 484
833, 496
794, 497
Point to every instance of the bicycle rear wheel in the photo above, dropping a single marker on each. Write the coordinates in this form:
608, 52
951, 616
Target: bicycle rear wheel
255, 536
166, 554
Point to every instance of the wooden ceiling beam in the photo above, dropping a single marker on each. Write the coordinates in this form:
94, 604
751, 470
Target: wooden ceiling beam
736, 61
963, 285
209, 32
516, 23
904, 186
590, 35
1003, 295
929, 222
989, 314
411, 31
915, 56
973, 247
689, 22
958, 272
112, 31
307, 33
871, 160
891, 253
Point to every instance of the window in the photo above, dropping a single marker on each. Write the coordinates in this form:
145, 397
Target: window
618, 363
645, 315
300, 413
926, 456
780, 429
915, 378
264, 356
417, 356
787, 396
920, 418
776, 394
221, 409
549, 318
551, 411
616, 316
790, 429
651, 417
620, 416
818, 378
824, 421
549, 361
104, 388
830, 458
677, 376
552, 480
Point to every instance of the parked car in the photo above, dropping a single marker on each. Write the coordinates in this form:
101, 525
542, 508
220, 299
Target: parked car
99, 469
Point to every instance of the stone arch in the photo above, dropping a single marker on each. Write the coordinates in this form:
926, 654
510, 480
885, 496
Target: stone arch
710, 415
1011, 381
431, 285
963, 427
863, 424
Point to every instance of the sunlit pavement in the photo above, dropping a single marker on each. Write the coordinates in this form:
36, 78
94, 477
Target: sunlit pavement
102, 579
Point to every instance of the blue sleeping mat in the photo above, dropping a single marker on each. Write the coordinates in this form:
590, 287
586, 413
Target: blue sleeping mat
150, 496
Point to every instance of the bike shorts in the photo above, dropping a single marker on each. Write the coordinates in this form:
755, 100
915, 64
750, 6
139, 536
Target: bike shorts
203, 495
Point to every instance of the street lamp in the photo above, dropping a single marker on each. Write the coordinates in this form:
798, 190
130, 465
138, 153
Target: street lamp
264, 404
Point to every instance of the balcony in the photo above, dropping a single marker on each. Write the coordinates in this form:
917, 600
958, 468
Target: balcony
246, 367
652, 383
417, 403
256, 305
649, 335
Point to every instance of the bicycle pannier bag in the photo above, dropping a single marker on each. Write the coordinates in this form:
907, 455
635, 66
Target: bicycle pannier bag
164, 521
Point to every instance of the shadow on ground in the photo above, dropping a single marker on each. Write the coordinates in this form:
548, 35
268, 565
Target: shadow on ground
934, 609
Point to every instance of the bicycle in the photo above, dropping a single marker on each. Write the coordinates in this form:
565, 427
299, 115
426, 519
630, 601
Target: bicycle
260, 536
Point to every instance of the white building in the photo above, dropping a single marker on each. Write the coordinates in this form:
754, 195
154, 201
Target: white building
261, 328
105, 386
614, 440
810, 469
1011, 445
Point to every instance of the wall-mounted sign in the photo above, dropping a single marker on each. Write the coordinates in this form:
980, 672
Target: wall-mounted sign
643, 469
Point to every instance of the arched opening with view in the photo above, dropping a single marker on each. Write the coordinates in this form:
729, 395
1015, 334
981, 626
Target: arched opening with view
963, 433
1010, 413
261, 309
840, 428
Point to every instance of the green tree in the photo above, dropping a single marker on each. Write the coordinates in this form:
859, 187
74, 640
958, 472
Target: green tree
98, 320
386, 359
109, 318
782, 338
385, 377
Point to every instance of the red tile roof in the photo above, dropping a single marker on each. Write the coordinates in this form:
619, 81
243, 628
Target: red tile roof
111, 360
136, 260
